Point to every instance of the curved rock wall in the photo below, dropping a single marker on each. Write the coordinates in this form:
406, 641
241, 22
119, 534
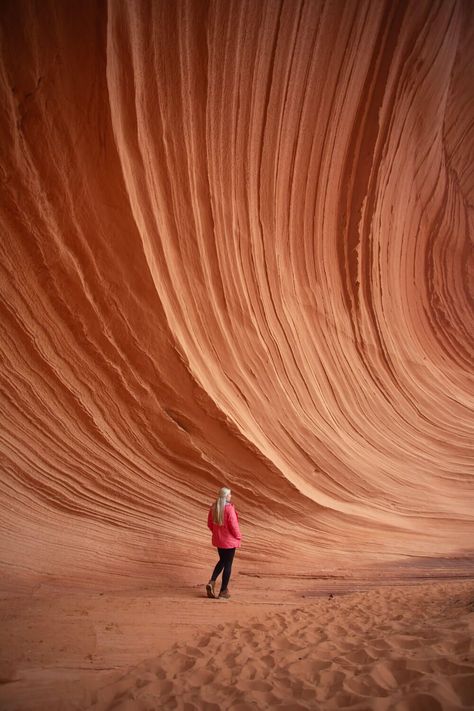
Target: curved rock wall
235, 250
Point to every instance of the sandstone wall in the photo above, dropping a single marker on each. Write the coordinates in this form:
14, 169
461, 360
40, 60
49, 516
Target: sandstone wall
235, 249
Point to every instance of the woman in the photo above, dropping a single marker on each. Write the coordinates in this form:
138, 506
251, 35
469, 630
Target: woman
226, 536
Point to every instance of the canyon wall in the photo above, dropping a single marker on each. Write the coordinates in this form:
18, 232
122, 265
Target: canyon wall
235, 250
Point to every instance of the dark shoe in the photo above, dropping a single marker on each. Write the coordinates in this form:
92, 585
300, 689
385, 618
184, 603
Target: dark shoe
225, 594
210, 588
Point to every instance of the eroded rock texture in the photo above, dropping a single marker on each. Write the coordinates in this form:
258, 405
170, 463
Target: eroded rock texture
235, 249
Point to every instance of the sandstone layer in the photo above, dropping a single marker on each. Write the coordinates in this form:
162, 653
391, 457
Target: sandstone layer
235, 249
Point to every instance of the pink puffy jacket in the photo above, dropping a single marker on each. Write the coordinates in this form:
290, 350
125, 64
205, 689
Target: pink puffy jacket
228, 535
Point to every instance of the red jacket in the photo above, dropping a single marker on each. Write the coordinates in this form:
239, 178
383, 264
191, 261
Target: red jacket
228, 535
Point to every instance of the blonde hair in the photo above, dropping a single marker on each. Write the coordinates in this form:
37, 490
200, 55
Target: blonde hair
219, 506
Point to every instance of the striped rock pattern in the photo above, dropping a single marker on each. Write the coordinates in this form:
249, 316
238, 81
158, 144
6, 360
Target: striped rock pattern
235, 249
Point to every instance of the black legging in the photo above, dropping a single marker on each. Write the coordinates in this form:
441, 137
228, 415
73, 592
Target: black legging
226, 556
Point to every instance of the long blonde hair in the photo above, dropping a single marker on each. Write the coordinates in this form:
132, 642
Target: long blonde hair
219, 506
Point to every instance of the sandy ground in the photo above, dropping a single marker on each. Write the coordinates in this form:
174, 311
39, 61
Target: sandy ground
303, 642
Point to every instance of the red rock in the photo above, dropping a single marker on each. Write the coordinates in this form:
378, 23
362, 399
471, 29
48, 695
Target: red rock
235, 251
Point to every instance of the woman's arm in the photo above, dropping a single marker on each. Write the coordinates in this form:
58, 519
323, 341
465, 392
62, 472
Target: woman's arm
233, 523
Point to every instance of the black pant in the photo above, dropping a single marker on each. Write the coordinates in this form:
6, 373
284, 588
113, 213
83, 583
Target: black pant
226, 556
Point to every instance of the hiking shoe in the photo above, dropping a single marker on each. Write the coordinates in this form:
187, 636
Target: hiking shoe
224, 593
210, 588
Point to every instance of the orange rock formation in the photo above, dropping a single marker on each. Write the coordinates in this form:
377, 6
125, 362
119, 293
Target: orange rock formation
235, 249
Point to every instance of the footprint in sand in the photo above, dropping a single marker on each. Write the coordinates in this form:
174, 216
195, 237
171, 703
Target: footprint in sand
308, 670
193, 651
159, 672
404, 641
330, 682
249, 672
177, 663
268, 660
365, 685
243, 657
284, 644
392, 675
335, 630
199, 677
377, 645
359, 657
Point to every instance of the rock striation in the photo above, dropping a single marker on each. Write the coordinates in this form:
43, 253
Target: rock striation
236, 248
